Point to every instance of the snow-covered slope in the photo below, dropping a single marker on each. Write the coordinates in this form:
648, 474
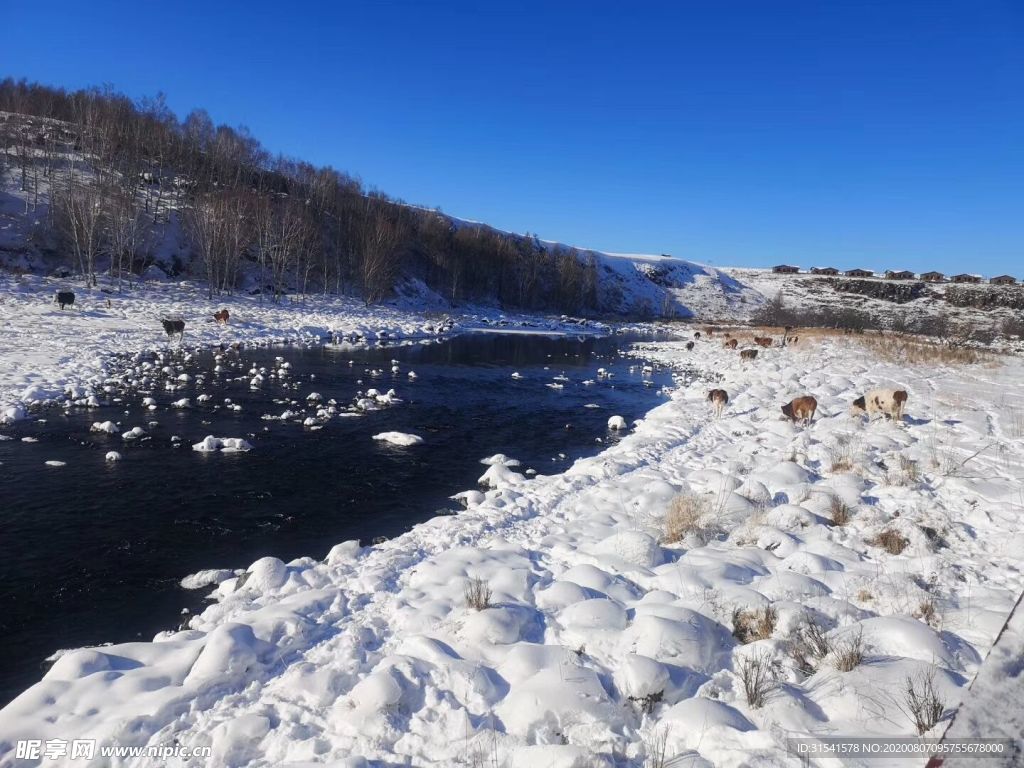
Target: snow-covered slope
631, 599
663, 286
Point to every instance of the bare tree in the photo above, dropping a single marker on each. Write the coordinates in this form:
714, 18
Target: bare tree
125, 230
79, 216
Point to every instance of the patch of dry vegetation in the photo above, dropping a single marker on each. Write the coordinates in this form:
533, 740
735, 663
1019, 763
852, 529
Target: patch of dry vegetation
891, 541
839, 511
848, 653
757, 624
688, 515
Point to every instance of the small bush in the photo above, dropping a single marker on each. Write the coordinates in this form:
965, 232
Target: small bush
478, 594
751, 625
686, 516
841, 454
759, 674
849, 652
906, 473
656, 748
922, 701
927, 613
839, 511
809, 645
891, 541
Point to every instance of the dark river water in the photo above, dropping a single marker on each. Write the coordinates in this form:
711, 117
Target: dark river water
93, 551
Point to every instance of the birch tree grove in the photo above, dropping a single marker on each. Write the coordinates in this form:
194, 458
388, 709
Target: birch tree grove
119, 174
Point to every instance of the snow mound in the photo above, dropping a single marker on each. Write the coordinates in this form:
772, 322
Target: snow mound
211, 444
398, 438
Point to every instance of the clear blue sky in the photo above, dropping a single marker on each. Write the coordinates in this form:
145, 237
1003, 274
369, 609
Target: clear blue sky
885, 133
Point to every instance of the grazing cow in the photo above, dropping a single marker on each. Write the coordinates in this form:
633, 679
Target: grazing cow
696, 334
172, 327
709, 331
64, 298
222, 317
718, 398
801, 409
889, 402
748, 354
689, 346
731, 344
763, 341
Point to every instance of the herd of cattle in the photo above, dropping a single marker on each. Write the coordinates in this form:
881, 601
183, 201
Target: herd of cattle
172, 326
889, 403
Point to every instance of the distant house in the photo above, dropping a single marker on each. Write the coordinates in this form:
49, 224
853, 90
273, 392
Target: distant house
859, 273
785, 269
933, 277
899, 274
965, 278
824, 271
1004, 280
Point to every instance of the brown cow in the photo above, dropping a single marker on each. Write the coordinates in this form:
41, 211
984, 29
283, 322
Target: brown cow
764, 341
801, 409
731, 344
748, 354
709, 331
718, 398
222, 317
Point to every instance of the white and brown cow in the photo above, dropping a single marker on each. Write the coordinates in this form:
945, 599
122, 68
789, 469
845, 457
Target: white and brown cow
718, 398
888, 402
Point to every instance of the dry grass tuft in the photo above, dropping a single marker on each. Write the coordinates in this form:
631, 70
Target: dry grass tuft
839, 511
849, 652
478, 594
927, 613
891, 541
905, 474
688, 516
750, 625
842, 454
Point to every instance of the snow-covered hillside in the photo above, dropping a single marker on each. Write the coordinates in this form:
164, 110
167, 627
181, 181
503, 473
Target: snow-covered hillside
663, 286
701, 590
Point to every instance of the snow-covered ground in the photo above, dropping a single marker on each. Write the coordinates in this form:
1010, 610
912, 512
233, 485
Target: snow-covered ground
610, 614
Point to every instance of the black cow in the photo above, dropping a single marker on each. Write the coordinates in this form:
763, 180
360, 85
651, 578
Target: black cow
64, 298
172, 327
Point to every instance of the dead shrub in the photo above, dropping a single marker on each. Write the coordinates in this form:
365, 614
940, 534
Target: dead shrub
750, 625
927, 613
478, 594
759, 675
809, 645
848, 653
922, 701
891, 541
